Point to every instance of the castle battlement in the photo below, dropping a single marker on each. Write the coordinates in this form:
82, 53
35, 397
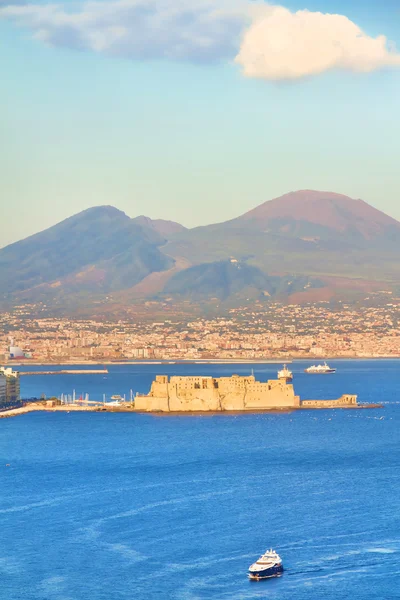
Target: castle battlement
234, 393
204, 394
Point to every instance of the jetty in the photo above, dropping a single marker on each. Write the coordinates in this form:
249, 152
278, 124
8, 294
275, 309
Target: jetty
65, 408
67, 372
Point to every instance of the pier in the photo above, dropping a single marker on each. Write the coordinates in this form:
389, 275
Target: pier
67, 372
44, 407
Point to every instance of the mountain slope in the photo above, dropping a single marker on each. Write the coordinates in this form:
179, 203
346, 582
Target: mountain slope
161, 226
327, 210
307, 232
285, 247
100, 248
227, 279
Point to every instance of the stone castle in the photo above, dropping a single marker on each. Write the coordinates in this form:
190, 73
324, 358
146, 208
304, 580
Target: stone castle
235, 393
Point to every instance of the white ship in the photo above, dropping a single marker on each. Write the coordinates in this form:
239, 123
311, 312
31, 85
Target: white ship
285, 375
268, 565
320, 369
115, 400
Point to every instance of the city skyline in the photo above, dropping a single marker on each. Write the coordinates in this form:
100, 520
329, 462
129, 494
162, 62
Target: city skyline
278, 331
187, 128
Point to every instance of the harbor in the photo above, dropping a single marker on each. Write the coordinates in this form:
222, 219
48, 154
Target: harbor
194, 394
202, 389
99, 481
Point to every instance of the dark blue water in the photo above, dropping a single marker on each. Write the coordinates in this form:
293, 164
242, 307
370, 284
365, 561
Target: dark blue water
123, 506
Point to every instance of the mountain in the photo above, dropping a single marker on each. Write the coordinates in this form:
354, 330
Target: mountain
98, 250
325, 214
311, 233
164, 228
302, 246
231, 279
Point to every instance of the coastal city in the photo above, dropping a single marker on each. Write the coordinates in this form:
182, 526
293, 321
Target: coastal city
274, 331
200, 300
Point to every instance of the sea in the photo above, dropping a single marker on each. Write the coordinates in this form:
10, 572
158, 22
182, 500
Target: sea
124, 506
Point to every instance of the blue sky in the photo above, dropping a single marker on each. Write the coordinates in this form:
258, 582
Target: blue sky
176, 116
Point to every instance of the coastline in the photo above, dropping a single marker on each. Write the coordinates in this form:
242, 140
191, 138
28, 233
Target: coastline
205, 361
253, 411
68, 408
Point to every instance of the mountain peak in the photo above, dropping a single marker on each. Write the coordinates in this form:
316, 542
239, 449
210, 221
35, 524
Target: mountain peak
313, 195
329, 210
104, 210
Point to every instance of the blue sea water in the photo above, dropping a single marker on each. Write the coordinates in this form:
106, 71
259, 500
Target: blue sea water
130, 506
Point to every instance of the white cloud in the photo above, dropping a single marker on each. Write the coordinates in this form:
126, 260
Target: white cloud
283, 45
268, 42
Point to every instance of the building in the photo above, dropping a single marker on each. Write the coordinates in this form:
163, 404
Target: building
3, 389
9, 386
217, 394
16, 353
202, 394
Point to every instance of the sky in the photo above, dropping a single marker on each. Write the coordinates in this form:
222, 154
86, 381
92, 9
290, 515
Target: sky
194, 111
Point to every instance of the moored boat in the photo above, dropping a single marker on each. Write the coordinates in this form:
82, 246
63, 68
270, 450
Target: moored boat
320, 369
115, 400
285, 374
267, 566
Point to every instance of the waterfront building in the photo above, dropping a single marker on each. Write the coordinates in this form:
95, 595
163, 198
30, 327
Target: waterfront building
235, 393
3, 389
215, 394
12, 385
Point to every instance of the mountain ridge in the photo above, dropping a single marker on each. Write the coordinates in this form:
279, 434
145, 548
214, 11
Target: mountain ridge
312, 238
162, 226
94, 239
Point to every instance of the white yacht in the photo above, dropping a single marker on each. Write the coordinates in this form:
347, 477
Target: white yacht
268, 565
321, 369
115, 400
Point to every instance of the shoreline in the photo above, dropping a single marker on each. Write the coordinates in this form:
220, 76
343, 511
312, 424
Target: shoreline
272, 411
15, 412
205, 361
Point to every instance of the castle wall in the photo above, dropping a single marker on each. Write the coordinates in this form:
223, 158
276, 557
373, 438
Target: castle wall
193, 394
190, 394
343, 401
158, 397
278, 393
